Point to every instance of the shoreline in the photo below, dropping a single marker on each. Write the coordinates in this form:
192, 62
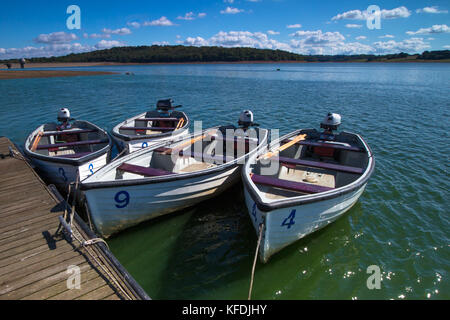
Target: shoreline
33, 74
106, 64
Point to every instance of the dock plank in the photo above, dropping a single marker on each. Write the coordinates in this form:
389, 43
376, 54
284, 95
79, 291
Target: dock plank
33, 260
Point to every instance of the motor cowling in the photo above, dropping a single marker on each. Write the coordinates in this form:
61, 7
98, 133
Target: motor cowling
63, 115
246, 119
331, 122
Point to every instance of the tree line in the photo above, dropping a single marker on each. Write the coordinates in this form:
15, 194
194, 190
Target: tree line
186, 54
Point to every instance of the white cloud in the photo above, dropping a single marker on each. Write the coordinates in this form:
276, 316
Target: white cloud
56, 38
134, 24
271, 32
361, 38
433, 9
44, 51
400, 12
121, 31
106, 44
228, 1
294, 26
163, 22
191, 16
353, 26
412, 45
318, 42
196, 42
97, 35
387, 36
437, 28
231, 10
160, 43
238, 39
187, 16
446, 47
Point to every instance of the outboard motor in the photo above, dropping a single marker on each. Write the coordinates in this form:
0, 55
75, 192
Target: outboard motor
331, 122
246, 119
64, 118
165, 106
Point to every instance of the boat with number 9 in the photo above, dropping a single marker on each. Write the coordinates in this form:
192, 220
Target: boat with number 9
169, 176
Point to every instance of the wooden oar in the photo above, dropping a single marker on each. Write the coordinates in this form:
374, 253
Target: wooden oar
188, 143
37, 139
180, 124
270, 154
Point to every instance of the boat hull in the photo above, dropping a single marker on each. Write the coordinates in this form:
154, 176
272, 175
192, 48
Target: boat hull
62, 174
116, 208
131, 146
285, 226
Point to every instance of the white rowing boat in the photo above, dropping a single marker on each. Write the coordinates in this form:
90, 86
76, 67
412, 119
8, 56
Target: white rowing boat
168, 177
61, 152
149, 128
310, 181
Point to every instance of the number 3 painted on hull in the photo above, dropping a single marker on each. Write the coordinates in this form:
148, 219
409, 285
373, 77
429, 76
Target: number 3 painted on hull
289, 221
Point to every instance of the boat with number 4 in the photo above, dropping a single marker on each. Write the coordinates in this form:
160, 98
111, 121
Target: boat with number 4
61, 152
169, 176
303, 182
149, 128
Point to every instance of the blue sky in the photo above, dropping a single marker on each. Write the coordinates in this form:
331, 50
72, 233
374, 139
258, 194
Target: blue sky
38, 28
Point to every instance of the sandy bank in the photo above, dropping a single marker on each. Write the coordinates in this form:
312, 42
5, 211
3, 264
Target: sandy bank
26, 74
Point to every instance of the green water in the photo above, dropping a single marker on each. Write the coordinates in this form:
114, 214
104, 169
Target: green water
400, 224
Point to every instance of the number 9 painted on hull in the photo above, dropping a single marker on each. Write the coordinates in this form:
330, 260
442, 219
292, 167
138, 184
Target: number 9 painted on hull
122, 199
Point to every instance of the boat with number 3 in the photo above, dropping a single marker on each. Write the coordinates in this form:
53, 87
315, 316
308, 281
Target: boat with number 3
60, 152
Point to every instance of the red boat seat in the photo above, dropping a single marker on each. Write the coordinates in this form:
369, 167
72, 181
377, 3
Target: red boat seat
143, 171
71, 144
196, 155
288, 185
322, 165
148, 128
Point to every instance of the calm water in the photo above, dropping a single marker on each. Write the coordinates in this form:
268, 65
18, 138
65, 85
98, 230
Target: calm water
401, 223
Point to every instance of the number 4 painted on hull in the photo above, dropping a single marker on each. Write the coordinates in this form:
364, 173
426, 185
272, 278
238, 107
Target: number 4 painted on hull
289, 221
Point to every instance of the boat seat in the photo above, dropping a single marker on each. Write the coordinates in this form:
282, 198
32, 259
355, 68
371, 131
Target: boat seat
68, 132
288, 185
147, 128
71, 144
73, 156
326, 145
143, 171
158, 119
321, 165
196, 155
236, 139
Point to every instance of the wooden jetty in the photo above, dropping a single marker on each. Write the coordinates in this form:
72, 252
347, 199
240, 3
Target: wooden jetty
35, 262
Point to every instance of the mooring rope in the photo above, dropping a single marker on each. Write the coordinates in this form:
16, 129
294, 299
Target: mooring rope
86, 243
111, 277
261, 228
15, 154
120, 154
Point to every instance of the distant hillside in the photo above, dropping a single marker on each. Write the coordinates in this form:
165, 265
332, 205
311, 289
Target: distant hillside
180, 54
